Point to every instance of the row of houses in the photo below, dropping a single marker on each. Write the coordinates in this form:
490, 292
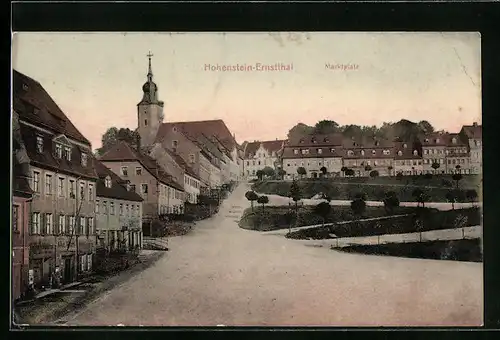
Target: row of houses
68, 203
432, 153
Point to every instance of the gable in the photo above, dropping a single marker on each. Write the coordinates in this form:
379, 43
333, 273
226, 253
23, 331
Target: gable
62, 139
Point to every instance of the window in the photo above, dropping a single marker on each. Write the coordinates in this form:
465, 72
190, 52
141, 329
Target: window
374, 152
49, 226
60, 187
90, 225
83, 263
39, 144
48, 184
71, 226
111, 208
91, 192
426, 152
175, 143
386, 152
132, 187
362, 152
296, 151
437, 140
89, 262
350, 153
127, 210
105, 207
124, 171
454, 140
121, 208
107, 182
191, 158
138, 171
15, 214
97, 206
67, 153
84, 159
35, 223
146, 122
82, 191
61, 225
144, 188
400, 153
36, 181
72, 189
320, 151
375, 163
83, 226
415, 152
58, 150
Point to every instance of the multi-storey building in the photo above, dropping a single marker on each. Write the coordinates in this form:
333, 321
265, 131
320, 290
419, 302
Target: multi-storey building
473, 134
368, 153
407, 159
312, 152
261, 154
118, 212
63, 180
161, 194
434, 152
457, 155
22, 195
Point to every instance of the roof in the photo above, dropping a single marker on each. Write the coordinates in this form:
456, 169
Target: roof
182, 163
407, 150
117, 190
36, 106
315, 139
473, 131
434, 139
313, 152
270, 146
215, 128
454, 139
20, 182
47, 159
124, 152
367, 143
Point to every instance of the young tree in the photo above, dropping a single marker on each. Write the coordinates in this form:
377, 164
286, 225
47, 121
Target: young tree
458, 168
251, 196
323, 210
349, 172
457, 178
281, 173
374, 173
358, 206
295, 194
471, 195
263, 200
451, 197
325, 127
259, 174
435, 166
391, 201
389, 168
368, 168
343, 170
420, 196
301, 171
268, 171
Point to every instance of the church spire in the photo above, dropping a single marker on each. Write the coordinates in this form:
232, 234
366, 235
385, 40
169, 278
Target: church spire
150, 72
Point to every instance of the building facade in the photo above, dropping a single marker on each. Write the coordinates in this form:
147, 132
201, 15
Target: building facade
473, 135
62, 178
258, 155
457, 155
407, 159
118, 212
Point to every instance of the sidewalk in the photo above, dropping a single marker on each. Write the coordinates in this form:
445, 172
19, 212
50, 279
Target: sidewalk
52, 306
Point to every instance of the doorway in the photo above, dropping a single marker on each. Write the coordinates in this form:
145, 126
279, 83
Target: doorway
67, 273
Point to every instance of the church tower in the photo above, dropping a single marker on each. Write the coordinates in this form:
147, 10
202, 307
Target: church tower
149, 110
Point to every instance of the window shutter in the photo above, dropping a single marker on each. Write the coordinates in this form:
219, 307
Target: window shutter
42, 224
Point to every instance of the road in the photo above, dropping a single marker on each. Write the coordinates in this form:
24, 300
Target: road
220, 274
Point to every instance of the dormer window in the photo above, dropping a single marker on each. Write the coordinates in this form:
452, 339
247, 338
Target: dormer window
25, 87
313, 140
67, 153
124, 171
362, 152
454, 140
174, 129
296, 151
374, 152
107, 182
58, 150
301, 141
377, 143
39, 144
175, 143
84, 159
386, 152
426, 140
350, 153
320, 151
400, 153
353, 143
405, 145
437, 140
326, 140
415, 152
332, 150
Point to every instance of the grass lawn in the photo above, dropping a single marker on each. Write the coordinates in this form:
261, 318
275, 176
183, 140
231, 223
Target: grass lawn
422, 219
275, 217
459, 250
375, 189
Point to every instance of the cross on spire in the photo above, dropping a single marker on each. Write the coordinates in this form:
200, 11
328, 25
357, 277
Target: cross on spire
150, 72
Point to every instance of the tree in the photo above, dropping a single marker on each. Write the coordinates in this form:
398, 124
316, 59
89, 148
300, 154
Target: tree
323, 210
458, 168
326, 197
457, 178
389, 168
268, 171
301, 171
349, 172
391, 201
326, 127
113, 135
471, 195
428, 176
281, 173
299, 130
368, 168
360, 196
425, 127
259, 174
358, 206
295, 194
323, 170
343, 170
420, 196
374, 174
251, 196
451, 197
399, 176
435, 165
263, 200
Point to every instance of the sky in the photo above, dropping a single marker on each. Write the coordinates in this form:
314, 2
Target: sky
351, 78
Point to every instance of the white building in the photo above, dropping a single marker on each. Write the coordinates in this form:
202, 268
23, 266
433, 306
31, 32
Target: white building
258, 155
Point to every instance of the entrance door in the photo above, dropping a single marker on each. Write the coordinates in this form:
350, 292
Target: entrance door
67, 270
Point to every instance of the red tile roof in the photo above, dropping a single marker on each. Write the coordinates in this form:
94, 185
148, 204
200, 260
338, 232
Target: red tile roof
473, 131
36, 106
435, 139
316, 139
313, 152
405, 150
183, 164
270, 146
124, 152
118, 188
